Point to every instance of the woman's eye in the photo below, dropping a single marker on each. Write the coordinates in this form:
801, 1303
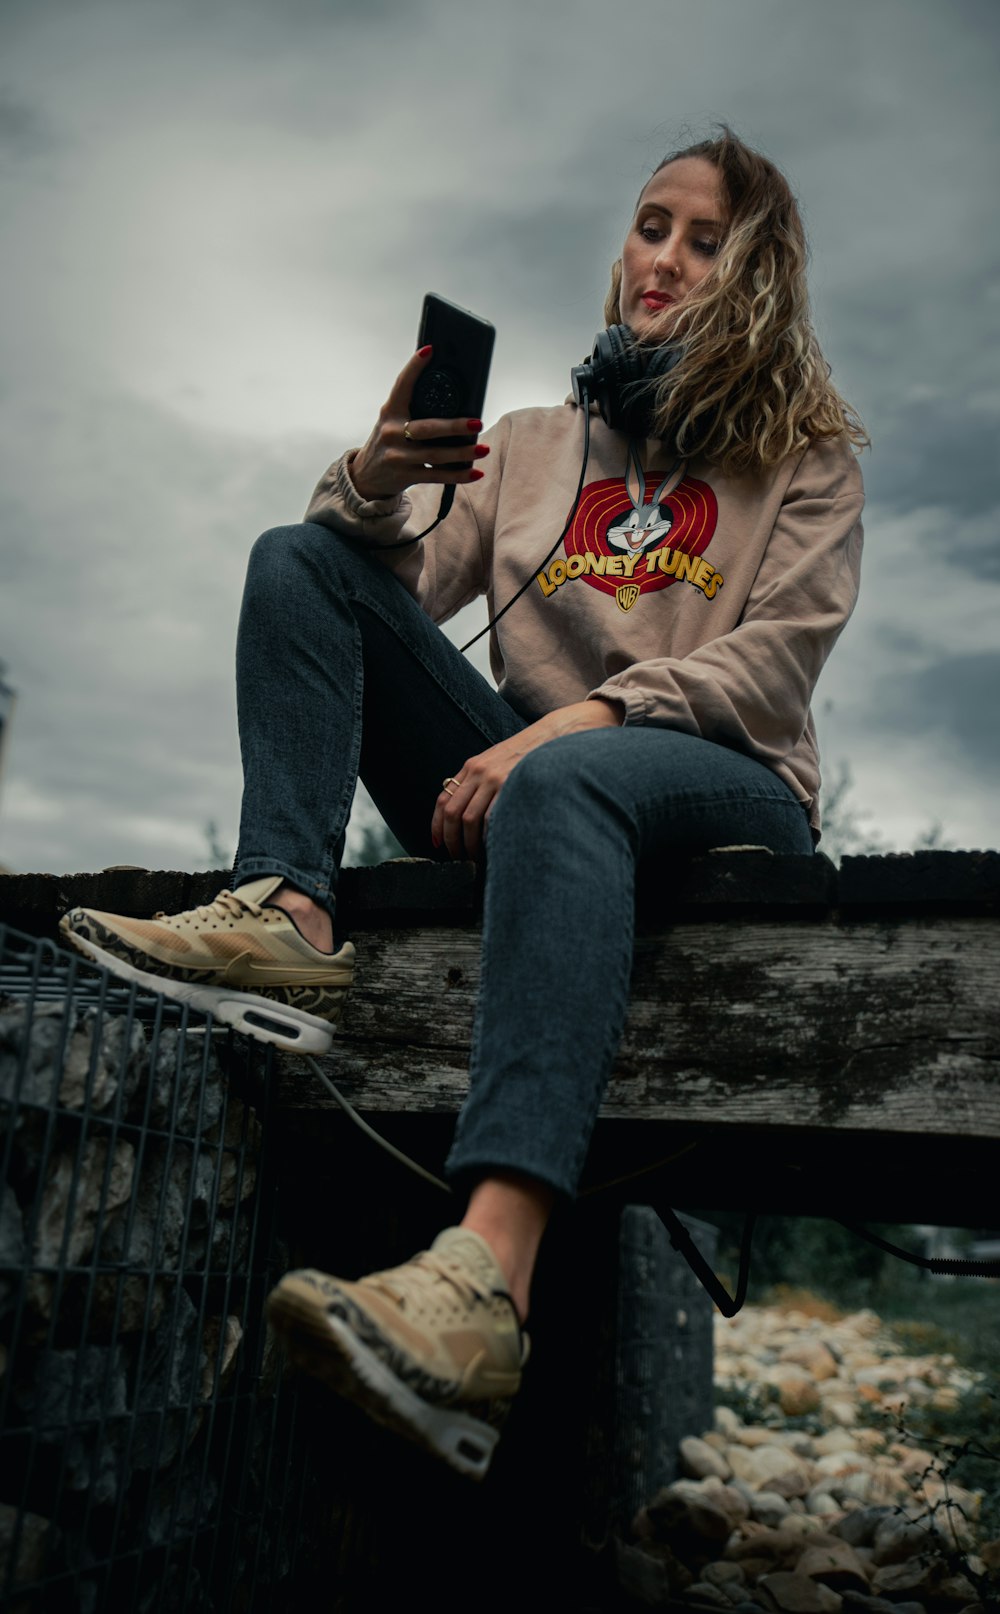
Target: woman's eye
650, 232
708, 248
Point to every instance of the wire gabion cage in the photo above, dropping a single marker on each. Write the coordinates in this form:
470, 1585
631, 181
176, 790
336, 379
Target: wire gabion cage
148, 1441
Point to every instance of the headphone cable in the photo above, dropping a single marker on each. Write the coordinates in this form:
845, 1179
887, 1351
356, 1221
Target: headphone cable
447, 498
585, 405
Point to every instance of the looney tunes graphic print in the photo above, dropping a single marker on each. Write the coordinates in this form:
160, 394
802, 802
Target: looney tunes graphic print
627, 544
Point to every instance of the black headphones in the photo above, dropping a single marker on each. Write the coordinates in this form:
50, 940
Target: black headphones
620, 377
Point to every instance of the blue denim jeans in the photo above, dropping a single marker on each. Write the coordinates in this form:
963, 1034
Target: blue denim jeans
341, 674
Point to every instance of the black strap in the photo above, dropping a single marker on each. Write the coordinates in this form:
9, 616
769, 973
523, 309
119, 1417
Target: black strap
932, 1263
729, 1305
684, 1244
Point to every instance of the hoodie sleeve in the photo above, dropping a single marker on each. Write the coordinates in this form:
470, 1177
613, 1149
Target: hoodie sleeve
751, 688
444, 571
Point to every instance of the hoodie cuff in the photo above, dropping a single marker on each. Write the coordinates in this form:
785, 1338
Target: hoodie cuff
632, 701
362, 509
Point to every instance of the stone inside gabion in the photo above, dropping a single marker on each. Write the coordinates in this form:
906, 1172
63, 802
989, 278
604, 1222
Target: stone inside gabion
126, 1231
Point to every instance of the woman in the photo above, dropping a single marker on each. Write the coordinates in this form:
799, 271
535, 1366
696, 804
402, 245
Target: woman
654, 687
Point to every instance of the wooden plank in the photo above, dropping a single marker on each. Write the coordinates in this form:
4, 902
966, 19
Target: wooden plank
721, 885
921, 881
888, 1027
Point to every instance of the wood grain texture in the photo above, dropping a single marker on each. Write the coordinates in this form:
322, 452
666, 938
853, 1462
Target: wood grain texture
867, 1027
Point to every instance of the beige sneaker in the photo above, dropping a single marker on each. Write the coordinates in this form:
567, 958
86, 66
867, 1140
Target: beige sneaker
236, 958
432, 1349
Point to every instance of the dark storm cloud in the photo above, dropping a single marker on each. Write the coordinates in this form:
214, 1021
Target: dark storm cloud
982, 20
24, 132
937, 452
543, 266
952, 703
930, 319
520, 245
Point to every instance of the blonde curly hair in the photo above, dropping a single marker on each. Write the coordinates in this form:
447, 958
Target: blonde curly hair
752, 385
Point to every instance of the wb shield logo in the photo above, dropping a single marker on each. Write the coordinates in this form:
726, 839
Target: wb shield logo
627, 595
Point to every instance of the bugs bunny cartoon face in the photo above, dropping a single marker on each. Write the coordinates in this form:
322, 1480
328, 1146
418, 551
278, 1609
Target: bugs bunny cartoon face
648, 523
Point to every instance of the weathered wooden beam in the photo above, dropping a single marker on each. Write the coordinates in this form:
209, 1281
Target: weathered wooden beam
410, 891
890, 1026
800, 1039
783, 996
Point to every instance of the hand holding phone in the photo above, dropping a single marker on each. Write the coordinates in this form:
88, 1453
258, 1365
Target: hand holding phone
435, 406
454, 382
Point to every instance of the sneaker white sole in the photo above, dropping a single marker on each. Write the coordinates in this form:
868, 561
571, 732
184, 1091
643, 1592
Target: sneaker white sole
465, 1443
352, 1369
260, 1017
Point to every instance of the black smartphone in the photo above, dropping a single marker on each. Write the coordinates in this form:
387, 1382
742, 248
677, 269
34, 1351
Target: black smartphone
454, 382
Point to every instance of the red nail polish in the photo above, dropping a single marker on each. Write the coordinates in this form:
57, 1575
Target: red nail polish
422, 352
473, 425
480, 451
476, 476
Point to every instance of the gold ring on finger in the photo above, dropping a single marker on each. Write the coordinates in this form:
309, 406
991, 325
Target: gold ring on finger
406, 431
454, 783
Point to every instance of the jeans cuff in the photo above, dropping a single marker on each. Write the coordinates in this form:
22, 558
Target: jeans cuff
464, 1171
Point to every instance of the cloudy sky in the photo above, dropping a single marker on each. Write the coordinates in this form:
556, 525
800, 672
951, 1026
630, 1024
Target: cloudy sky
219, 222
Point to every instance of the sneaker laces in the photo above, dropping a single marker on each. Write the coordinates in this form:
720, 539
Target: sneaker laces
227, 905
408, 1284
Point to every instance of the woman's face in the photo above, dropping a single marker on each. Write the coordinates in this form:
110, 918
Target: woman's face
674, 237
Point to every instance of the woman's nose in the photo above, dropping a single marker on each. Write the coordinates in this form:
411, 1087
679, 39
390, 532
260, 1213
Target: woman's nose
666, 259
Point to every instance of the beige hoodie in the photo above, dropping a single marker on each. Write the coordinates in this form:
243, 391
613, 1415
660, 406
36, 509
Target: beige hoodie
703, 603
